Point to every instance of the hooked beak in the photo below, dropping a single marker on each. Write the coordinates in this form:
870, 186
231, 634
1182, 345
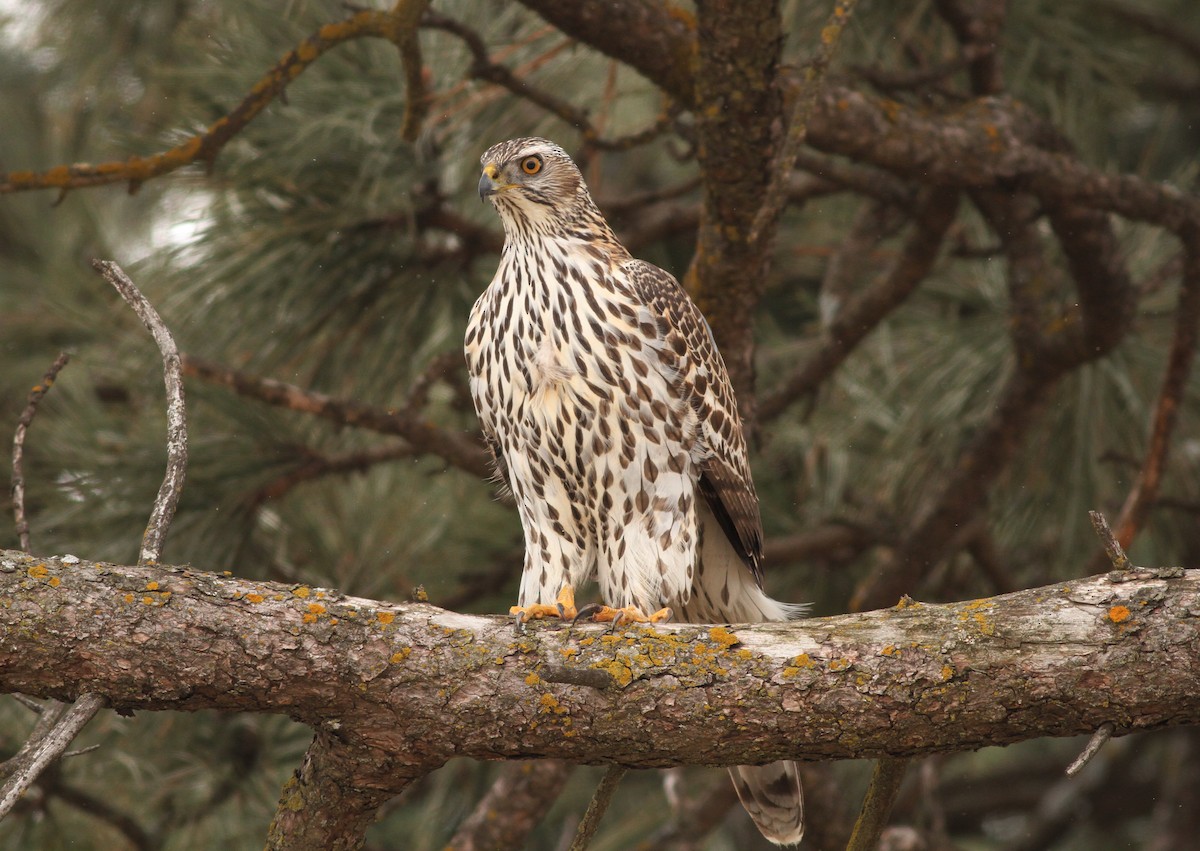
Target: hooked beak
487, 181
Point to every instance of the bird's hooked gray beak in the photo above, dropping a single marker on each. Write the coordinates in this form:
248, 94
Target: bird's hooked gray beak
487, 181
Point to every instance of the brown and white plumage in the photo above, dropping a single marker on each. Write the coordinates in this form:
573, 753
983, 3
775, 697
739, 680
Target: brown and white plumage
609, 410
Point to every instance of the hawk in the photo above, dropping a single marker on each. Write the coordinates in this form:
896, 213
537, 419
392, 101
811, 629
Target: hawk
611, 417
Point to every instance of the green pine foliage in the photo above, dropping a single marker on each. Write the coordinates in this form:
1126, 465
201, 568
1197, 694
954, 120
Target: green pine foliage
299, 256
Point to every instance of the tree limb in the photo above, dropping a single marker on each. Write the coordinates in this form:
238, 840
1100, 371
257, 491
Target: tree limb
421, 684
396, 25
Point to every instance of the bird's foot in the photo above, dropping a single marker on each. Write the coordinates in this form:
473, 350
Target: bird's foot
563, 608
627, 614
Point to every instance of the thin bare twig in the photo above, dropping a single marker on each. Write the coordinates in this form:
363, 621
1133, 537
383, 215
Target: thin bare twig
44, 750
1113, 548
598, 807
1166, 412
18, 457
163, 511
1102, 735
456, 449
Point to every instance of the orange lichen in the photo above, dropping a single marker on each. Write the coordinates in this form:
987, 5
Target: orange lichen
128, 598
316, 609
400, 655
302, 592
38, 571
254, 598
532, 679
151, 585
385, 618
890, 650
724, 637
54, 582
1118, 614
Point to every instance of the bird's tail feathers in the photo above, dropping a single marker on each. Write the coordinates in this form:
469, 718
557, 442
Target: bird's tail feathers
771, 795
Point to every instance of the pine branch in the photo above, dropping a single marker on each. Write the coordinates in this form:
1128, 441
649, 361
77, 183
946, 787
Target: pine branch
396, 25
424, 436
395, 690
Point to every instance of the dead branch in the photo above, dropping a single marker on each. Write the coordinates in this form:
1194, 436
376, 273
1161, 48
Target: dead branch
171, 488
18, 456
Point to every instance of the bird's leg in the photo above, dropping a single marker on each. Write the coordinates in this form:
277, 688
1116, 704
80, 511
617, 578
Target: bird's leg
627, 614
563, 608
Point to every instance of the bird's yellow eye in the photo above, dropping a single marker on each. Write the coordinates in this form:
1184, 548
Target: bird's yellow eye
531, 165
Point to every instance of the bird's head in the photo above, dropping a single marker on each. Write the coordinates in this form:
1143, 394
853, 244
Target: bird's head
532, 180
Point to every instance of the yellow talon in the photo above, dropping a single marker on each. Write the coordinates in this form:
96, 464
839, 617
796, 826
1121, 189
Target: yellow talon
630, 614
563, 608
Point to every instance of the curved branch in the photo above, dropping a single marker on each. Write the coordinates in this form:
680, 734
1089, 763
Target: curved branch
394, 26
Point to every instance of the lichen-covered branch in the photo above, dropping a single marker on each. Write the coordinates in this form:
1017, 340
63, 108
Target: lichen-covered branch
414, 684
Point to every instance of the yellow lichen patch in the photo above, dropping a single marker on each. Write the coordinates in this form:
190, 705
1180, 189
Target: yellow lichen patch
147, 600
1118, 614
890, 650
54, 582
316, 609
385, 618
128, 598
947, 672
569, 652
532, 679
839, 664
151, 585
979, 611
720, 635
400, 655
302, 592
616, 669
276, 597
309, 617
548, 704
38, 571
254, 598
803, 661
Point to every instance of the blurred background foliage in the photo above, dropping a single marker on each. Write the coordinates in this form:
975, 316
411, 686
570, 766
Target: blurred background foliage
307, 255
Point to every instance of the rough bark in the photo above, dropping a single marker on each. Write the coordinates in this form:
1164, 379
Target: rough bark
414, 684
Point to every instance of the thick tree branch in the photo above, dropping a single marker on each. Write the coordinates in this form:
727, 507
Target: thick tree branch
419, 684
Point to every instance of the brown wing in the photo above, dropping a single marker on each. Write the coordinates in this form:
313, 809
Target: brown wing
725, 479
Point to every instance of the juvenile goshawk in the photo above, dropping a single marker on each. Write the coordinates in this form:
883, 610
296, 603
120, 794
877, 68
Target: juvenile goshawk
611, 417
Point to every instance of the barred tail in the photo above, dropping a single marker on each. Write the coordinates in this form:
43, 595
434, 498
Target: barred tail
724, 591
772, 796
